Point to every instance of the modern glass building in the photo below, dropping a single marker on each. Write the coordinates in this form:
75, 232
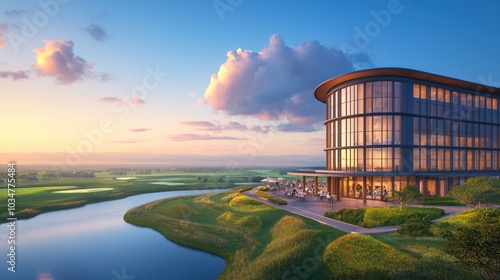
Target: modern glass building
390, 127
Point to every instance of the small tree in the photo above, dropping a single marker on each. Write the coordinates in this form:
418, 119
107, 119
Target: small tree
414, 227
477, 244
407, 195
477, 190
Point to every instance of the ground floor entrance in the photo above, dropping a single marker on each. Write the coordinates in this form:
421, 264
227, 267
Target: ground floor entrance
383, 187
377, 187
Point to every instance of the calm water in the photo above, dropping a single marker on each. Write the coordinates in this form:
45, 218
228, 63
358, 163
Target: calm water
93, 242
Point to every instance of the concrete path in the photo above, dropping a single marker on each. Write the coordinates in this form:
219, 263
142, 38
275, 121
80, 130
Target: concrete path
314, 208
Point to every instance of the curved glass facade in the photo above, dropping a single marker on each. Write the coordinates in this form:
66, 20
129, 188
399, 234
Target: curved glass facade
409, 131
364, 127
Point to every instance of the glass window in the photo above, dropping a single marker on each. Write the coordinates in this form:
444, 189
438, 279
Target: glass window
433, 93
447, 160
470, 99
423, 92
463, 99
377, 104
416, 159
377, 89
360, 131
482, 102
470, 160
360, 99
433, 159
416, 91
455, 98
423, 159
397, 89
440, 95
447, 95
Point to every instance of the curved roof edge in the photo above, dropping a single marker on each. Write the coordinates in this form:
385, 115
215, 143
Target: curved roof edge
322, 90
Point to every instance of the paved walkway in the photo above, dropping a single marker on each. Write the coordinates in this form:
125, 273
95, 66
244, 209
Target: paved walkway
314, 208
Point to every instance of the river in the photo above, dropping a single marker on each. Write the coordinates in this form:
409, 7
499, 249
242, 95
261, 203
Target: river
94, 242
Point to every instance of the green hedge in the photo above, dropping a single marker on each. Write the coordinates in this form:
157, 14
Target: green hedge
382, 216
393, 216
442, 201
271, 198
351, 216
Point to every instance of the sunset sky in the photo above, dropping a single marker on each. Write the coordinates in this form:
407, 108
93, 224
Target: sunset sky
204, 82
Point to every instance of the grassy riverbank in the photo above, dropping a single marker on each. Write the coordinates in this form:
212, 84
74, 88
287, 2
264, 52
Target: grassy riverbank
257, 241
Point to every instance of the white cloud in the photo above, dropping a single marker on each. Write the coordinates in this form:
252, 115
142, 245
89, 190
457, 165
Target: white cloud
277, 82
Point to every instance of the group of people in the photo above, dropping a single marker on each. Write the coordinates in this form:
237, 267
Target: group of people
294, 192
322, 195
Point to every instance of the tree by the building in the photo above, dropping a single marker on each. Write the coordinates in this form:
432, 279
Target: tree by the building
476, 191
407, 195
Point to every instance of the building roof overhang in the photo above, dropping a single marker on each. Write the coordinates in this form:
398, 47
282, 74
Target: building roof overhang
322, 90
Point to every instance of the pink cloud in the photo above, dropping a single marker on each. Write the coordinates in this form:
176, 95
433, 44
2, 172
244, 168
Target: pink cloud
218, 127
198, 137
2, 41
276, 82
14, 75
57, 59
132, 141
133, 99
138, 129
109, 99
137, 100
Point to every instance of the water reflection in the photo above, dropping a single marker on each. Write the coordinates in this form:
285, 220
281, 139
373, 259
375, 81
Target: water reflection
93, 242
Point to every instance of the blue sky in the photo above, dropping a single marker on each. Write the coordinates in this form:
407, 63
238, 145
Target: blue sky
229, 82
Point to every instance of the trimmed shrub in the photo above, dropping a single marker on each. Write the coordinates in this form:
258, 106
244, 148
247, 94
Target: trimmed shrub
351, 216
382, 216
271, 198
357, 256
393, 216
415, 227
243, 203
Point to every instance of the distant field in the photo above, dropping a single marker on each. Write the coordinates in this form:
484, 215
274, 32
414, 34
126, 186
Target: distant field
35, 197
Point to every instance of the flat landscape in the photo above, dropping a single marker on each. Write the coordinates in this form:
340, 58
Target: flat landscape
35, 196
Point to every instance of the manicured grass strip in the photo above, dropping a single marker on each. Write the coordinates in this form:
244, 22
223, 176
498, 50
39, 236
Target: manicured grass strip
393, 216
383, 216
442, 201
357, 256
271, 198
243, 203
